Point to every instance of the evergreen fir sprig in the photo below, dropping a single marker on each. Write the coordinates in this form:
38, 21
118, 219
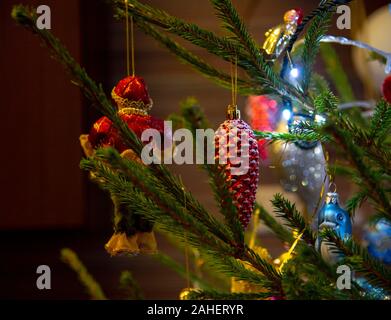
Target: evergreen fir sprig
336, 72
373, 146
326, 103
181, 270
340, 80
306, 135
130, 287
87, 280
232, 51
273, 225
318, 84
220, 46
153, 188
381, 121
216, 295
245, 87
223, 196
368, 175
160, 196
236, 268
147, 198
171, 216
232, 22
194, 118
358, 146
316, 31
260, 263
288, 211
308, 277
356, 201
372, 269
343, 170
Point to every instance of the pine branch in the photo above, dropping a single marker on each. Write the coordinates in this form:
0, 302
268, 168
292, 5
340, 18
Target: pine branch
232, 22
130, 287
348, 140
72, 260
171, 216
373, 270
381, 121
288, 211
273, 225
171, 190
224, 47
371, 178
223, 196
216, 295
355, 142
96, 95
220, 46
336, 72
244, 86
304, 280
315, 32
235, 268
305, 135
166, 206
373, 147
356, 201
181, 270
318, 84
195, 119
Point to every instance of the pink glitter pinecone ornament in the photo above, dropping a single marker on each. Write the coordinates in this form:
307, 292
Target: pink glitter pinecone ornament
233, 137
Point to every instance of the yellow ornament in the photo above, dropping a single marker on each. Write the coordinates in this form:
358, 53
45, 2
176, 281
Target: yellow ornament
140, 242
277, 38
185, 293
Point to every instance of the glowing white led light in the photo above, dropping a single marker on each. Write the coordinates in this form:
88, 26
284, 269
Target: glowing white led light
294, 73
320, 119
286, 114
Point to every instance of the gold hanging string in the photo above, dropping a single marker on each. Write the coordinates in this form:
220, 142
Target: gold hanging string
186, 248
234, 82
132, 45
127, 37
129, 47
232, 85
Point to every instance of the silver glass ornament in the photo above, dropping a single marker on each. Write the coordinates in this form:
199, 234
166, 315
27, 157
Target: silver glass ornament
303, 166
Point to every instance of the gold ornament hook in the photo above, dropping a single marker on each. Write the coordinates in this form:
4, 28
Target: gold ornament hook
233, 113
332, 184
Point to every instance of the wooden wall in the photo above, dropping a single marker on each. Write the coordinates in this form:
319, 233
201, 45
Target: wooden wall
41, 183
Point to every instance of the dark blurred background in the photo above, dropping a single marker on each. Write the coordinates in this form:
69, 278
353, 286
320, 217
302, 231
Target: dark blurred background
47, 202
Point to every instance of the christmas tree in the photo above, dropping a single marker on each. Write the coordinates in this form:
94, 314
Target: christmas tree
148, 197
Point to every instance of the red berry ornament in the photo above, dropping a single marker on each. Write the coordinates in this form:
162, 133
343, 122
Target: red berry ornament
386, 89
